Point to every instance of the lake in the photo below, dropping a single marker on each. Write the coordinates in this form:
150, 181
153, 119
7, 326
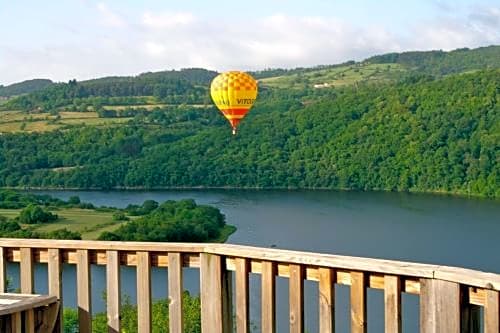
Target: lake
412, 227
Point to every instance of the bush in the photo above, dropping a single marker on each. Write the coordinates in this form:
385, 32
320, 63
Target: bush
62, 234
8, 226
34, 214
181, 221
108, 236
120, 216
74, 200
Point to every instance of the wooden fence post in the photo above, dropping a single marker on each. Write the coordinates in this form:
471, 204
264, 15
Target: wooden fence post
439, 306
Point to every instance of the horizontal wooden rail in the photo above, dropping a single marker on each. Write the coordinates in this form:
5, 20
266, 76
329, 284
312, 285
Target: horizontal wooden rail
458, 290
470, 277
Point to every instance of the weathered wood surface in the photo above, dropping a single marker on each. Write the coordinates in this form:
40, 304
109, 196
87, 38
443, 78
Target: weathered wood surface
448, 295
296, 292
143, 292
113, 291
11, 303
3, 271
84, 291
268, 298
211, 293
326, 300
358, 303
439, 306
242, 296
389, 267
492, 312
55, 285
27, 284
175, 289
100, 245
392, 301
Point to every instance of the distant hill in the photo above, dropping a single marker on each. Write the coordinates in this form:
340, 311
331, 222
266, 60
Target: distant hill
190, 86
413, 121
425, 135
385, 68
169, 87
24, 87
443, 63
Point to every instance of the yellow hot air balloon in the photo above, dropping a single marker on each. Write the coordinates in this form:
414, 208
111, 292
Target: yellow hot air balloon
234, 94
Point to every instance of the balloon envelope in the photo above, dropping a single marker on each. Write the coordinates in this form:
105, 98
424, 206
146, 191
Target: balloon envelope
234, 94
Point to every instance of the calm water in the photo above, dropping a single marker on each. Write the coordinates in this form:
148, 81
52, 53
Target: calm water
422, 228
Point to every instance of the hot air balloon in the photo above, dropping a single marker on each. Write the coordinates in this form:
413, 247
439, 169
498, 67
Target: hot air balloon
234, 94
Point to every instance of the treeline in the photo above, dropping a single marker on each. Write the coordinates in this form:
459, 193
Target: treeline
173, 87
172, 221
24, 87
418, 135
443, 63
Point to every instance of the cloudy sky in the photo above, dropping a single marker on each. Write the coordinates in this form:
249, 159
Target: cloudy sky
82, 39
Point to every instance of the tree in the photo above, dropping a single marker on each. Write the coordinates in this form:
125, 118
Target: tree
33, 214
74, 200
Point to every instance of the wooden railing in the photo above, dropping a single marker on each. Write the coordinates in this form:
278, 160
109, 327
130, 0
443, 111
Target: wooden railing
450, 298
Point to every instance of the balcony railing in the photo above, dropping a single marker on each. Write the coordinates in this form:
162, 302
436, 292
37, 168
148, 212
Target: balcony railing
450, 298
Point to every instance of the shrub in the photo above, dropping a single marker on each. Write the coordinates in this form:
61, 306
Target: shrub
34, 214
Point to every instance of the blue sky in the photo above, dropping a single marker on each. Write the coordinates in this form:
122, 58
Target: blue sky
82, 39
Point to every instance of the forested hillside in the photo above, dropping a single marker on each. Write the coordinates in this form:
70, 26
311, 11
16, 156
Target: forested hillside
442, 63
421, 134
24, 87
171, 87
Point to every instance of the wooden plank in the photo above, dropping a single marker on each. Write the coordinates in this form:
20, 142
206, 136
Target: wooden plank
55, 284
3, 271
326, 300
242, 296
113, 291
143, 292
100, 245
439, 306
227, 300
83, 292
477, 296
296, 293
22, 302
281, 257
27, 272
16, 322
324, 260
268, 298
175, 289
492, 312
358, 302
211, 293
392, 301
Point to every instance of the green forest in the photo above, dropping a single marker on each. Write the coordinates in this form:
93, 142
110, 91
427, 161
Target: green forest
431, 126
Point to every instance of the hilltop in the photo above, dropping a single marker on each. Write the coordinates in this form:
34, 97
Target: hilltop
416, 121
24, 87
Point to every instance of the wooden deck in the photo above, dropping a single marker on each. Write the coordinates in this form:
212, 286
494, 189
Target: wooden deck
450, 297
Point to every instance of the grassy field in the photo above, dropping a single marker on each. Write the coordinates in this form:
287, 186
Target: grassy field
18, 121
336, 77
89, 223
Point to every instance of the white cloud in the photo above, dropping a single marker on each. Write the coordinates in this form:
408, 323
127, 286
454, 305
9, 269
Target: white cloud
109, 17
163, 40
166, 19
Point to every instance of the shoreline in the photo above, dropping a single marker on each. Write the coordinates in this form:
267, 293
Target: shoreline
245, 188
